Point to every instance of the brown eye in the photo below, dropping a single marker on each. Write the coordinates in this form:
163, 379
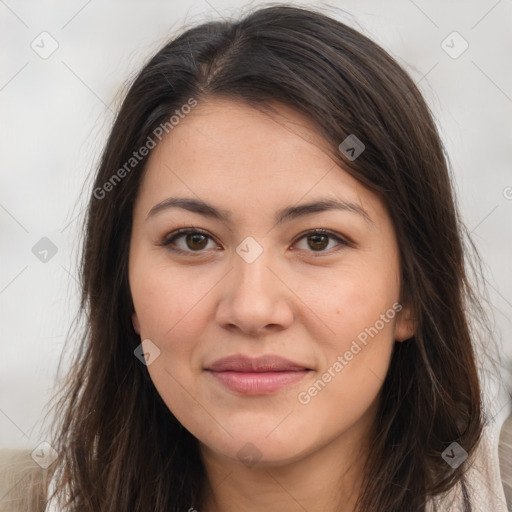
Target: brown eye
190, 241
195, 241
187, 241
319, 240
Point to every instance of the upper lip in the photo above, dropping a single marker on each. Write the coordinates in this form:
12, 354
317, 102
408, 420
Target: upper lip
265, 363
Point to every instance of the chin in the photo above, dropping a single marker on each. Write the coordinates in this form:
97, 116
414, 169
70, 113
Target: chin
257, 450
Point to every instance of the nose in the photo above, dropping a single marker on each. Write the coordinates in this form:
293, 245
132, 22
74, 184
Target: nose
255, 297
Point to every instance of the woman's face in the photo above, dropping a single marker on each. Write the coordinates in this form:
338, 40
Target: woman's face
258, 282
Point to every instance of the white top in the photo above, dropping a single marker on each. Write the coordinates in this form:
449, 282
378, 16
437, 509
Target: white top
483, 478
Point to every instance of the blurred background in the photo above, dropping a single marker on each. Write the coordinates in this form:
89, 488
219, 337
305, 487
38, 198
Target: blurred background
62, 70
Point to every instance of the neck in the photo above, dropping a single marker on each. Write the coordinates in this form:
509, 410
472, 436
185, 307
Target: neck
327, 479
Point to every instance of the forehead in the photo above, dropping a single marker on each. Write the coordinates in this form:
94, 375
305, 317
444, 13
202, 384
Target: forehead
239, 155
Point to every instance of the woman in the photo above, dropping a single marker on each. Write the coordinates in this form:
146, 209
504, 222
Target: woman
275, 289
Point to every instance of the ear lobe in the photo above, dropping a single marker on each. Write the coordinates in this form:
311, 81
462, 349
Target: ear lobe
405, 325
135, 322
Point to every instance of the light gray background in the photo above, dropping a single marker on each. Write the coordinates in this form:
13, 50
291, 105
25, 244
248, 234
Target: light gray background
56, 113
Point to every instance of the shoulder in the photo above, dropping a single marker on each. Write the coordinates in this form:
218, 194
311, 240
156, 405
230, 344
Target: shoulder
505, 457
22, 482
488, 479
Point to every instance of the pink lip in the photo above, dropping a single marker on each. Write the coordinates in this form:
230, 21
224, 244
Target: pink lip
258, 383
266, 363
256, 376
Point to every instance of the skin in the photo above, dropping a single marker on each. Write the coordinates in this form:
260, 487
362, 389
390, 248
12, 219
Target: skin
302, 299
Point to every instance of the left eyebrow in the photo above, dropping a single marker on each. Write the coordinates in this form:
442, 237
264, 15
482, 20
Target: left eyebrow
285, 214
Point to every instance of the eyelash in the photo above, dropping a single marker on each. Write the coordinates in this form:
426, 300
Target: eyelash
172, 237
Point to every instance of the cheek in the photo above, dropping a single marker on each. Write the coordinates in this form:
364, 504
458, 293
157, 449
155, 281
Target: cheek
167, 307
166, 300
172, 309
355, 301
360, 311
356, 360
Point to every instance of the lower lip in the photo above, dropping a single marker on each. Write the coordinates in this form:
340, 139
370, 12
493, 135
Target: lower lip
258, 383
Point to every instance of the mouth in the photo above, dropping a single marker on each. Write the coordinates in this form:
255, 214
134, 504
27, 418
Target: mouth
257, 376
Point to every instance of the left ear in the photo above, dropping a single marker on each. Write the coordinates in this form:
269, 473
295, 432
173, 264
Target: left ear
405, 325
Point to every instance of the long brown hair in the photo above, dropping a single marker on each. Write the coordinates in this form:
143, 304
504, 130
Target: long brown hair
120, 448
